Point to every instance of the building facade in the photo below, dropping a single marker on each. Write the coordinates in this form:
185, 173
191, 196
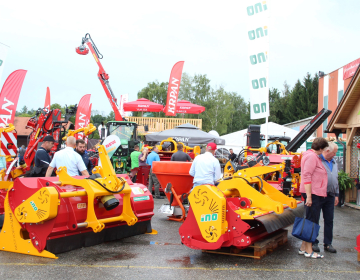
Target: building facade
332, 87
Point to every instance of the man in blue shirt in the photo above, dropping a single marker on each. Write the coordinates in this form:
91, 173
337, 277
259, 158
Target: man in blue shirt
153, 156
332, 198
206, 168
42, 157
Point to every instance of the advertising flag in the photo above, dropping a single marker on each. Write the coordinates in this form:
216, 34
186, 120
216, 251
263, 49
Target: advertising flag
82, 115
3, 53
173, 89
9, 96
47, 100
257, 33
123, 99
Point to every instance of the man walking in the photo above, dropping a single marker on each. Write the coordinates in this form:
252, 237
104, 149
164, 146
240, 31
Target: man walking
206, 168
180, 155
68, 158
22, 151
332, 199
153, 156
81, 150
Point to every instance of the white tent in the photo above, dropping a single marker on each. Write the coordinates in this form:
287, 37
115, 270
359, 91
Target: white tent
237, 140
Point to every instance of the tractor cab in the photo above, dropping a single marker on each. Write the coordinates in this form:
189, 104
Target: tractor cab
127, 133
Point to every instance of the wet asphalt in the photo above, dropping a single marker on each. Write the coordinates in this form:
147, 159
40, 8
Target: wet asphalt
162, 256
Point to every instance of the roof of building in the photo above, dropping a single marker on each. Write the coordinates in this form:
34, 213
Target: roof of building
20, 125
346, 105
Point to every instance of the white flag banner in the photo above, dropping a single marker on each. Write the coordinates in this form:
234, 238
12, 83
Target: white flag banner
257, 29
123, 99
3, 53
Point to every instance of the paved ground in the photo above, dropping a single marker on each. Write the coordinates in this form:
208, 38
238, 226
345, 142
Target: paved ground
163, 257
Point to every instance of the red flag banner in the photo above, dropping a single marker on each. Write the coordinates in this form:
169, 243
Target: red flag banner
82, 115
47, 100
173, 89
9, 96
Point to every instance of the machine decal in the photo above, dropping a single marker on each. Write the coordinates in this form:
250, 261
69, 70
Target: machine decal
81, 205
141, 198
209, 218
137, 190
32, 203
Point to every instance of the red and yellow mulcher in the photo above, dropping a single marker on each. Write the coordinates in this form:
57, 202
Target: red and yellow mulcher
239, 211
46, 216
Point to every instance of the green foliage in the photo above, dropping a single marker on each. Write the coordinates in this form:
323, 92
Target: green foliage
345, 182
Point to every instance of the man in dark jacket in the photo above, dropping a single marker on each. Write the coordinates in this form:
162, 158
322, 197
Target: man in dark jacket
42, 157
232, 156
81, 149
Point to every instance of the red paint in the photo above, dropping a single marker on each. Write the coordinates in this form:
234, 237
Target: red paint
47, 99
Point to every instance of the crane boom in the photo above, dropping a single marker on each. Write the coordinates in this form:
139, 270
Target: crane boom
102, 75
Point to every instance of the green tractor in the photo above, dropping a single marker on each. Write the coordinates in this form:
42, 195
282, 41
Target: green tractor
119, 152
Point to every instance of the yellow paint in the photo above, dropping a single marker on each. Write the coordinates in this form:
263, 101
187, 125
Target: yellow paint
153, 232
11, 240
94, 55
87, 130
209, 207
40, 207
37, 134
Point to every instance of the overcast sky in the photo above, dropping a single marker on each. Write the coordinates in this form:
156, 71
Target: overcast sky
142, 40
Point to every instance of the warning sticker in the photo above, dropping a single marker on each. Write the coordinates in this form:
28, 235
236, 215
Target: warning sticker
81, 205
141, 198
137, 190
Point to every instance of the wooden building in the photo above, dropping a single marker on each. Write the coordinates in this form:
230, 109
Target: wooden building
346, 119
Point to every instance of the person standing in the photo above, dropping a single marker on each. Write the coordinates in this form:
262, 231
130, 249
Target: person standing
134, 163
153, 156
143, 157
180, 155
42, 157
102, 131
81, 150
232, 156
22, 151
328, 204
313, 188
206, 168
68, 158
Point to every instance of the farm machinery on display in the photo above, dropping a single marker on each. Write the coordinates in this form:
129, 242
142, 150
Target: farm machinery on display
237, 212
46, 216
286, 180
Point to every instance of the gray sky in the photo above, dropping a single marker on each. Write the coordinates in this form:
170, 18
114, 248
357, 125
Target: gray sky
142, 40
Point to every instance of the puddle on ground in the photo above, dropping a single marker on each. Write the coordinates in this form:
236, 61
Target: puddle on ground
123, 256
160, 243
185, 260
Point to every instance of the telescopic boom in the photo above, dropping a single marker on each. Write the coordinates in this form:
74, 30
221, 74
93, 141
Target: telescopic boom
102, 75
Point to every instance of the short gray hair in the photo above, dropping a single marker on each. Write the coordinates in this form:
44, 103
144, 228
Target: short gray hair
331, 146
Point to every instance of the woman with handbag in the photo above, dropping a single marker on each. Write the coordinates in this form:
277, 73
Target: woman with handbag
313, 188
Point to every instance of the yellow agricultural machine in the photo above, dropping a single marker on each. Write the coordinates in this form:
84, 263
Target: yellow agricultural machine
46, 216
237, 212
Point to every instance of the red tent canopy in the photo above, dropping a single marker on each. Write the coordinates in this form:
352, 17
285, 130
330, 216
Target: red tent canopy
186, 107
142, 105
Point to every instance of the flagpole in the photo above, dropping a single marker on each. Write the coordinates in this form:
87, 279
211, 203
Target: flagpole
266, 134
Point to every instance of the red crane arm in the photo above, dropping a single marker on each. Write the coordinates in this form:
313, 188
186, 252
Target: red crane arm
102, 75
